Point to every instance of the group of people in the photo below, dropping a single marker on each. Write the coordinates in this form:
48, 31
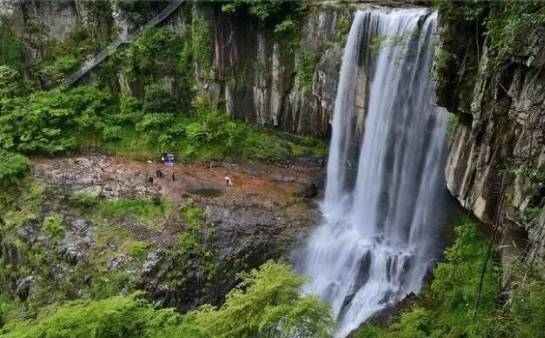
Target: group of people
168, 159
159, 174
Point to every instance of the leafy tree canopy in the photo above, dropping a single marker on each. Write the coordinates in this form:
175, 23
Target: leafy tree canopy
266, 304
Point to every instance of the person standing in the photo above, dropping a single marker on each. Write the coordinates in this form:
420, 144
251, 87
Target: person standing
169, 160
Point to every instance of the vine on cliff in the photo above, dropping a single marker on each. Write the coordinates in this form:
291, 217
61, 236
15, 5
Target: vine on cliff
510, 23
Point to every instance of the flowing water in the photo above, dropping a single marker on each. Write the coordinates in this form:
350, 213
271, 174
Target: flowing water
381, 208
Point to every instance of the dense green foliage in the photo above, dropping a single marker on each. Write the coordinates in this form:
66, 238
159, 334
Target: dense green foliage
202, 38
111, 317
157, 99
267, 304
526, 314
60, 58
12, 168
283, 21
138, 11
304, 66
10, 82
194, 246
56, 121
153, 54
509, 24
158, 67
203, 134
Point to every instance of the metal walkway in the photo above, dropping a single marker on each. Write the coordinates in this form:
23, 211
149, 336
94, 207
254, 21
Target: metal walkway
88, 65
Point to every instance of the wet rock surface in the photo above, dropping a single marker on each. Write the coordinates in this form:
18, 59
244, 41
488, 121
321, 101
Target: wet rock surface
496, 163
24, 286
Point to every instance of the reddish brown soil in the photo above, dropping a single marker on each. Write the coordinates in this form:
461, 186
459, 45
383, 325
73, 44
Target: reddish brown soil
266, 185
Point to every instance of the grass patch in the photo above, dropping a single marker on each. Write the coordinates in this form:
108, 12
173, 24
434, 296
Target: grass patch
82, 200
148, 212
137, 249
192, 215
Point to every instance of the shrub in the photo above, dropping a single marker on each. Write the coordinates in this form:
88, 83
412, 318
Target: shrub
154, 54
53, 121
112, 133
10, 82
12, 167
138, 249
11, 51
55, 73
109, 284
157, 99
129, 105
85, 198
192, 215
53, 226
528, 309
7, 305
108, 318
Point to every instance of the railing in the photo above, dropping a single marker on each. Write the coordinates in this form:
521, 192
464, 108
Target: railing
117, 43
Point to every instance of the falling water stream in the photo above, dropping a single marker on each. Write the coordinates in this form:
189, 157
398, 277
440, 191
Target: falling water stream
379, 234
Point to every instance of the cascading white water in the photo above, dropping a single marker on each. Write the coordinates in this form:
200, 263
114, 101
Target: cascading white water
379, 235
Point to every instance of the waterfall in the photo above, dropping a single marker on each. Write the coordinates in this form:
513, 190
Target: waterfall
379, 235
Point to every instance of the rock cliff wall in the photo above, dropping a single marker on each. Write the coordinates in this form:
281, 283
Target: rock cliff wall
262, 80
286, 83
496, 165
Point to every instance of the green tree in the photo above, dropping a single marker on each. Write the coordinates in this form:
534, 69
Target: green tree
267, 303
157, 99
10, 82
11, 52
114, 317
154, 54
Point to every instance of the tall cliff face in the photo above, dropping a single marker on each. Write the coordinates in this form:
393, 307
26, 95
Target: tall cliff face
496, 166
285, 83
40, 24
237, 61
